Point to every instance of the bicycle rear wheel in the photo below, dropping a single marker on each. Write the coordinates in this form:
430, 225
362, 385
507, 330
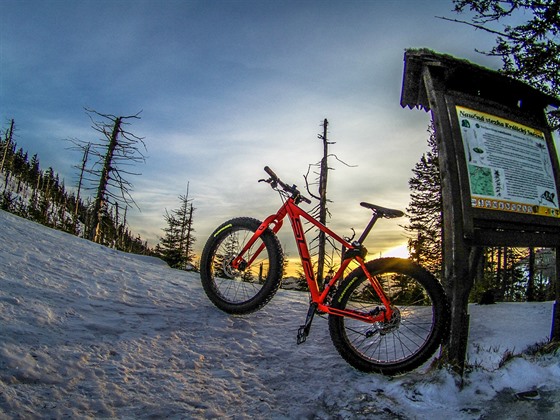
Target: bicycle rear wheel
247, 289
419, 323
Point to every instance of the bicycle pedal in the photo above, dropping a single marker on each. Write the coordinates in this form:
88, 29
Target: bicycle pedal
302, 334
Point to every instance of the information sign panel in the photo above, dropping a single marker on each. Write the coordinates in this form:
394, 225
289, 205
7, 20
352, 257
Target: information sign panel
508, 165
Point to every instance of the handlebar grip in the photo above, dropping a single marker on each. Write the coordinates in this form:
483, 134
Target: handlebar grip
271, 173
292, 190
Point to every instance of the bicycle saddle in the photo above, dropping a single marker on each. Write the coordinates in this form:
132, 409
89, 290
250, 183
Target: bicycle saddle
382, 211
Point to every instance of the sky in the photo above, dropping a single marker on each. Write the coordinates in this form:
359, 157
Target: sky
225, 88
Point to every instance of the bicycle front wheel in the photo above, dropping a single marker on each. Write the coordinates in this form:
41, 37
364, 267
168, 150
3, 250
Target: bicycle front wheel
252, 285
417, 327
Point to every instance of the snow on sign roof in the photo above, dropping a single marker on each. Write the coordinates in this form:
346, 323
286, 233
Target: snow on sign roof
459, 75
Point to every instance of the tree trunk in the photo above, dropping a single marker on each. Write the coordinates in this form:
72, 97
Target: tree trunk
99, 204
323, 204
9, 135
82, 169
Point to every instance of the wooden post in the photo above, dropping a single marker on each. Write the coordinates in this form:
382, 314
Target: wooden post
472, 216
459, 258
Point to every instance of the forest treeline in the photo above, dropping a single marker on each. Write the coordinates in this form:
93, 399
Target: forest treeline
38, 194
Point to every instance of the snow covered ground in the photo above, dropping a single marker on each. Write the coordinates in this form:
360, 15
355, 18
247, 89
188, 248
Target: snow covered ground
90, 332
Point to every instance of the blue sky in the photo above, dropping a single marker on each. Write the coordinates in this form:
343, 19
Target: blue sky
225, 88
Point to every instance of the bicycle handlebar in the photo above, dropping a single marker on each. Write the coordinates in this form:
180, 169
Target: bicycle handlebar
296, 195
273, 175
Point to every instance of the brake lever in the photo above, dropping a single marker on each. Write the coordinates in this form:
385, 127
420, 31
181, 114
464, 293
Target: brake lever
270, 181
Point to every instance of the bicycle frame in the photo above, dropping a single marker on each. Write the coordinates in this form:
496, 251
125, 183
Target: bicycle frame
318, 297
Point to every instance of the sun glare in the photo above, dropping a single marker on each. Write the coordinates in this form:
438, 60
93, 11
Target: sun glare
400, 251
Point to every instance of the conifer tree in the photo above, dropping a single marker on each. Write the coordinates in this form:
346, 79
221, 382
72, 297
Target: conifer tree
526, 39
177, 246
41, 196
425, 210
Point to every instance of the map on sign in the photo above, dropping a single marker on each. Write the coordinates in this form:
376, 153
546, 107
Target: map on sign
509, 166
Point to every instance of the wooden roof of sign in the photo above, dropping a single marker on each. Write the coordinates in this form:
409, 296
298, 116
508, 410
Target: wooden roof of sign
459, 75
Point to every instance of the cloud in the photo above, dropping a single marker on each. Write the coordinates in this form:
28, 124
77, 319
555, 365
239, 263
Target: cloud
227, 88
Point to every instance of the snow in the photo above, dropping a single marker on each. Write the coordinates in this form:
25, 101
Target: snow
90, 332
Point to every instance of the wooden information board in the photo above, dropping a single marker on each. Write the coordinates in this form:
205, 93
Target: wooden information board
494, 135
499, 172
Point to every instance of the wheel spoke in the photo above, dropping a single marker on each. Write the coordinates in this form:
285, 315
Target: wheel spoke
412, 333
243, 288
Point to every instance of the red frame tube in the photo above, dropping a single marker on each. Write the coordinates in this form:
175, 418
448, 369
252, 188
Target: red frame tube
295, 214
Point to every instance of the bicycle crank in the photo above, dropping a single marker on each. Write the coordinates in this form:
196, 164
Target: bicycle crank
303, 330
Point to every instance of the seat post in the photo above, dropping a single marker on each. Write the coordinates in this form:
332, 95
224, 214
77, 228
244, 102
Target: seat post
368, 228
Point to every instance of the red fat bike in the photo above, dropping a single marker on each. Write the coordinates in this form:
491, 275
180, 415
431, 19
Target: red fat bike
388, 315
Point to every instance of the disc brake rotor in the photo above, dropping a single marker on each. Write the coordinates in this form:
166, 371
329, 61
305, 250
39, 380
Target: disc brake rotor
228, 269
386, 327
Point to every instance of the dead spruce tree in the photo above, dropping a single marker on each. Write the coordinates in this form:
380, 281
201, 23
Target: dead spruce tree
321, 211
116, 150
7, 145
84, 149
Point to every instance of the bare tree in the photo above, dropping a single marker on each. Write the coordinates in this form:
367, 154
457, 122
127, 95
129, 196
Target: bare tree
8, 145
321, 211
116, 150
9, 135
84, 148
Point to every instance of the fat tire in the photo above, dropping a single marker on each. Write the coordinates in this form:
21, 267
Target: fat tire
232, 293
361, 344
